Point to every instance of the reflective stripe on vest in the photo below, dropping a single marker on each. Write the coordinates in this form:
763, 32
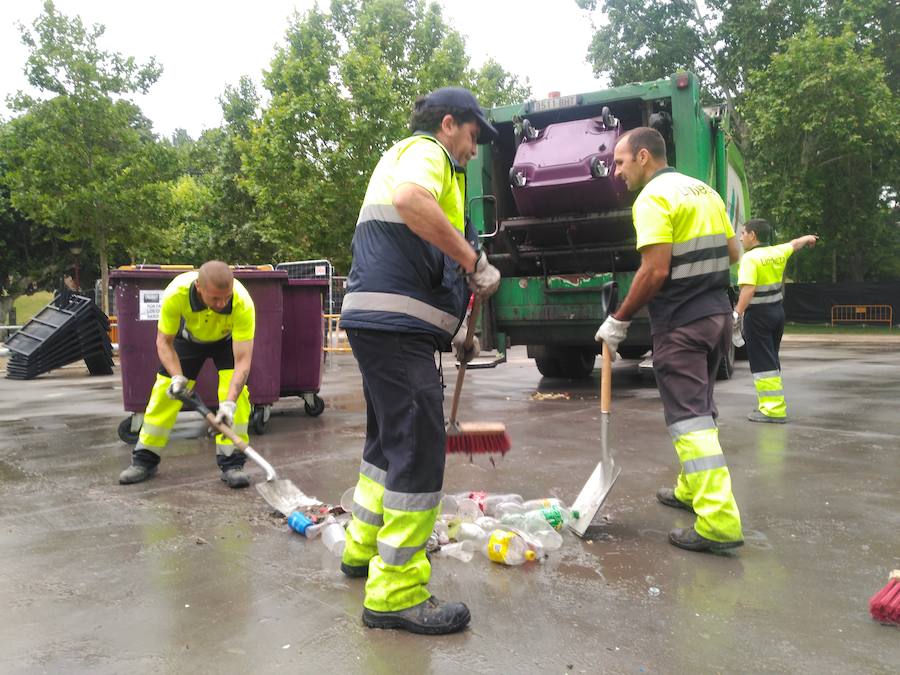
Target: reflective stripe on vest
767, 293
699, 256
400, 304
383, 212
694, 424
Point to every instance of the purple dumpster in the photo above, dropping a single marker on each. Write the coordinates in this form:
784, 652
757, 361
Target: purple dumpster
139, 290
302, 342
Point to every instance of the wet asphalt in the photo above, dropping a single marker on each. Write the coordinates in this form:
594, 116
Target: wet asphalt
181, 574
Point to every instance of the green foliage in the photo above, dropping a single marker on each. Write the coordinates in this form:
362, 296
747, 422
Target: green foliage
341, 90
825, 143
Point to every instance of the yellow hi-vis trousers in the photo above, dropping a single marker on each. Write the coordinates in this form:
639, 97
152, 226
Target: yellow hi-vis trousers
159, 418
770, 393
704, 480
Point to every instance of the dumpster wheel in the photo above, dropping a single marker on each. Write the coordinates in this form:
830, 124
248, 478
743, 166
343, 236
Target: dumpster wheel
259, 418
125, 433
316, 409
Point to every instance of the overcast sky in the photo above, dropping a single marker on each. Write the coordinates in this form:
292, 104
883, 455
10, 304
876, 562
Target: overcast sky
205, 44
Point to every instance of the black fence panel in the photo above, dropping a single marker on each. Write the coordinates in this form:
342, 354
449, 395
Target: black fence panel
812, 303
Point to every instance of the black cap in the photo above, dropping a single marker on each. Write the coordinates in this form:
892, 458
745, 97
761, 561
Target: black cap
458, 97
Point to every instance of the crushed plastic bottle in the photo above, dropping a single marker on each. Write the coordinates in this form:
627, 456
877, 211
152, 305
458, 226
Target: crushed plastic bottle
537, 529
503, 508
543, 503
449, 505
488, 523
332, 532
462, 550
471, 532
468, 510
442, 532
508, 548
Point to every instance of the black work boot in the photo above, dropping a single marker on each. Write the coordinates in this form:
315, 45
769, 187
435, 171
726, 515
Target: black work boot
688, 539
354, 571
758, 416
667, 496
431, 617
235, 477
143, 466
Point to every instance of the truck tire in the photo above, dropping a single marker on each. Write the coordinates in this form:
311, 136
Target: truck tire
576, 363
548, 367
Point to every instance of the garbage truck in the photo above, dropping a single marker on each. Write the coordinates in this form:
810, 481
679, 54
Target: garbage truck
557, 222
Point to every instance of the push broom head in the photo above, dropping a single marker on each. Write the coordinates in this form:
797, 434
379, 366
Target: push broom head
478, 438
885, 604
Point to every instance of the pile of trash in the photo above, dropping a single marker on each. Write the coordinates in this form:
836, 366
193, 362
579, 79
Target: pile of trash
505, 528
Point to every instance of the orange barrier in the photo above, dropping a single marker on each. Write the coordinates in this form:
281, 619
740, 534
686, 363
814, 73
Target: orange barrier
862, 314
335, 338
113, 330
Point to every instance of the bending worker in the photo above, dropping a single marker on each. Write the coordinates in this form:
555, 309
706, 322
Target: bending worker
687, 245
204, 314
406, 297
759, 313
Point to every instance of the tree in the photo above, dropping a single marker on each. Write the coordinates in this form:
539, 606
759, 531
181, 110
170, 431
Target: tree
341, 90
83, 162
824, 103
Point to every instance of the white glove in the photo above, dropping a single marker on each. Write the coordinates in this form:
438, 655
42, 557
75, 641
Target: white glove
485, 280
225, 414
177, 387
612, 332
464, 355
737, 337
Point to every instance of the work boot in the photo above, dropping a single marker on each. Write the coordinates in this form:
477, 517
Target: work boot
757, 416
354, 571
667, 496
688, 539
136, 473
235, 477
431, 617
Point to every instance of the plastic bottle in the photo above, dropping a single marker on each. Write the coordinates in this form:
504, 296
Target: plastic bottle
491, 501
543, 503
488, 523
537, 528
508, 548
558, 516
468, 510
449, 505
462, 550
334, 537
442, 532
471, 532
299, 523
503, 508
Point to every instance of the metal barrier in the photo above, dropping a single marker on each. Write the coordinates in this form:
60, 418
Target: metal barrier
335, 338
862, 314
7, 331
312, 269
114, 329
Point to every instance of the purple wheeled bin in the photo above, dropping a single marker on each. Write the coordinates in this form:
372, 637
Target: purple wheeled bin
568, 168
139, 291
303, 341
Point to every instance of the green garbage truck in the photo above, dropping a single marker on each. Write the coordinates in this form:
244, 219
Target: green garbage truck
557, 223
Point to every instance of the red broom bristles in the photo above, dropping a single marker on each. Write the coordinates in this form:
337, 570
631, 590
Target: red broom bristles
885, 604
478, 438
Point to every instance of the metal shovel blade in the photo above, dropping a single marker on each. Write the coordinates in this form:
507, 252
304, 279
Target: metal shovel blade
285, 497
592, 495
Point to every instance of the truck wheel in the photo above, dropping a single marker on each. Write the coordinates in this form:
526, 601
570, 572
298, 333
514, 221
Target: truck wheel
548, 367
726, 367
317, 408
576, 363
528, 130
125, 433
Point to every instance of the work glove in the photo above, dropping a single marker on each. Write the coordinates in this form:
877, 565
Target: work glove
485, 280
177, 387
737, 337
225, 414
612, 332
464, 355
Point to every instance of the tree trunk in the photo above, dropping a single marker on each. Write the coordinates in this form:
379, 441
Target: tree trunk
104, 274
6, 305
834, 266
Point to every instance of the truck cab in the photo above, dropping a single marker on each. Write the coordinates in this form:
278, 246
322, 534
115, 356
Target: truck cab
558, 225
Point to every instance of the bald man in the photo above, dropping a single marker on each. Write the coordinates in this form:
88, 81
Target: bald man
205, 314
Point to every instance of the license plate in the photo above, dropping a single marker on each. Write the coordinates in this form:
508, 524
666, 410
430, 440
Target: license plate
554, 103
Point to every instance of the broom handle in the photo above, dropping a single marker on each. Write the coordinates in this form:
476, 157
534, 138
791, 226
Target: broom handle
470, 338
606, 380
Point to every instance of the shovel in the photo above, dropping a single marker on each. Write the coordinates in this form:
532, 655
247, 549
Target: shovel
281, 494
597, 488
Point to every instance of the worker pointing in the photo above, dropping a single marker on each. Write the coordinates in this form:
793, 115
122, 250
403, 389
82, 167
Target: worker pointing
759, 313
414, 265
206, 314
687, 245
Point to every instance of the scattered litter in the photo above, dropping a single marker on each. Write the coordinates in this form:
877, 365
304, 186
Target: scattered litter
186, 606
200, 541
549, 396
286, 647
653, 591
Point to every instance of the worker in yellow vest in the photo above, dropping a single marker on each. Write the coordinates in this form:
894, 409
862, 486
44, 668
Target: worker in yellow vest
759, 313
687, 245
206, 314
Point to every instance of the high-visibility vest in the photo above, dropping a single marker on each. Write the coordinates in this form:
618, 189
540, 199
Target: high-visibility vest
183, 313
763, 267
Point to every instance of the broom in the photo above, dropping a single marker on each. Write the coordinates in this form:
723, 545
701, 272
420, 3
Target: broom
885, 604
473, 437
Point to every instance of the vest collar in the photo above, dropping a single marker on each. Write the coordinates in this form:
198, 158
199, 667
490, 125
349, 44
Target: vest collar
197, 305
453, 163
